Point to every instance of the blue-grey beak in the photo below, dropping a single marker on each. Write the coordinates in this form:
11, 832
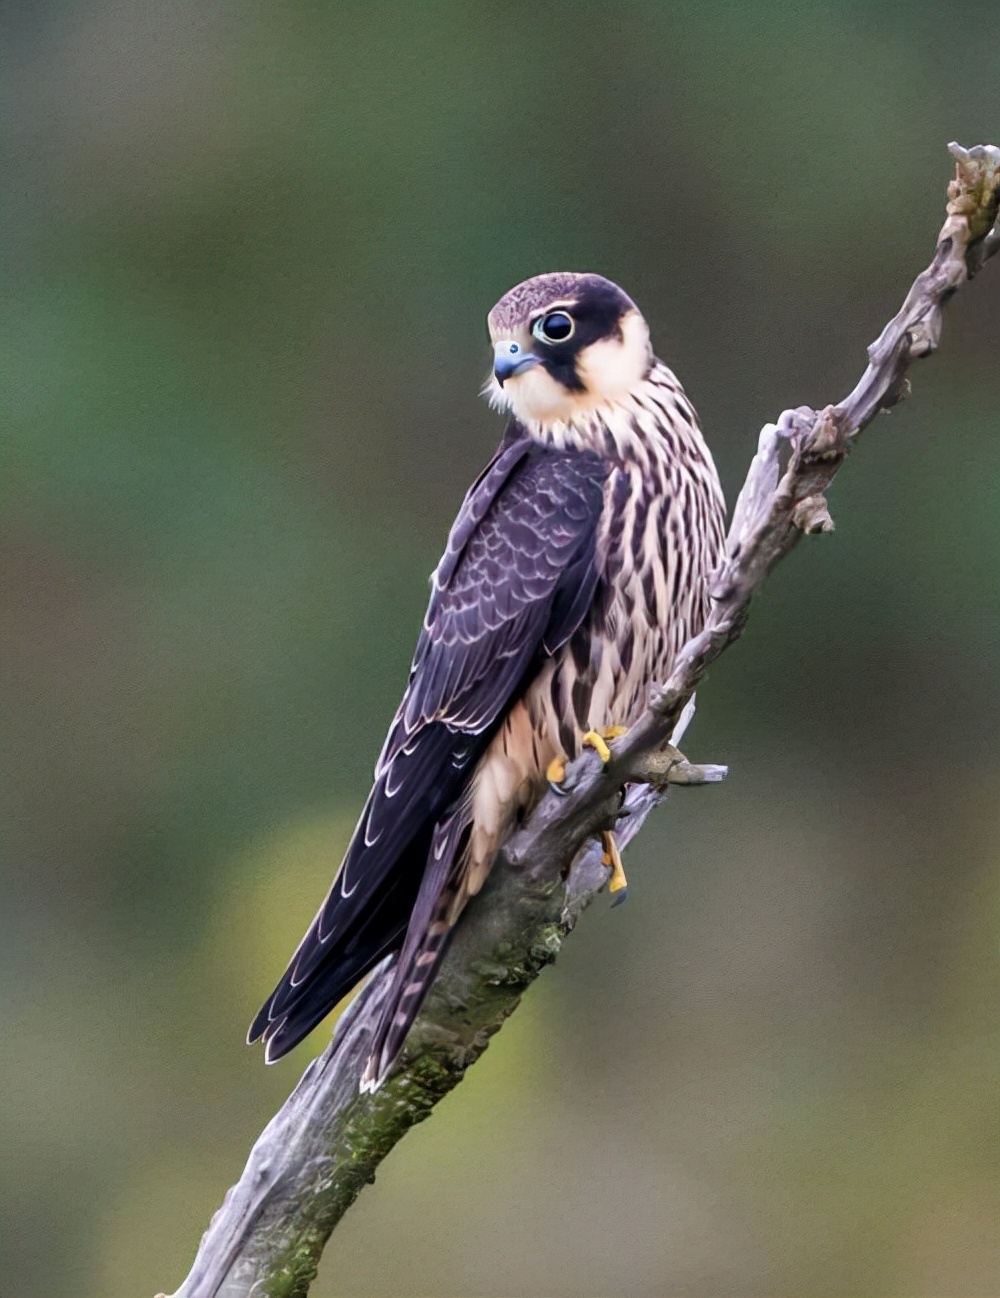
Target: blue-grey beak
510, 359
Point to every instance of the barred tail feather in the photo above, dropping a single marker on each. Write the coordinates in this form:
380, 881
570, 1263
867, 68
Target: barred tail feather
431, 924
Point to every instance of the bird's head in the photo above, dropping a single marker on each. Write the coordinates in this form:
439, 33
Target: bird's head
564, 344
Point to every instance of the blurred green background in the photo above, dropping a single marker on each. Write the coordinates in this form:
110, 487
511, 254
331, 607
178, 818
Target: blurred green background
249, 250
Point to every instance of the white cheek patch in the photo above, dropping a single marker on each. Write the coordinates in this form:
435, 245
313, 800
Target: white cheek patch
532, 397
612, 368
536, 396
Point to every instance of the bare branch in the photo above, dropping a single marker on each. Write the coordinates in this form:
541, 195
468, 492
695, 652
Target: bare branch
326, 1142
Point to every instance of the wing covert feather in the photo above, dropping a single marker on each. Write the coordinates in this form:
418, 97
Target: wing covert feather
532, 554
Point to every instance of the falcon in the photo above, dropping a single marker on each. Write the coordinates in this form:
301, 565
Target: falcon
576, 569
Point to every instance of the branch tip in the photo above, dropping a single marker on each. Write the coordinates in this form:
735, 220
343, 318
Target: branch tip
812, 515
975, 192
693, 773
668, 765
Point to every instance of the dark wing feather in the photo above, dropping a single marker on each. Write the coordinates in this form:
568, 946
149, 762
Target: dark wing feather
516, 579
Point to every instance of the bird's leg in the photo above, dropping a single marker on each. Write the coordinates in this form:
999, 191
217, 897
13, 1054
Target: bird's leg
598, 741
555, 772
612, 857
595, 740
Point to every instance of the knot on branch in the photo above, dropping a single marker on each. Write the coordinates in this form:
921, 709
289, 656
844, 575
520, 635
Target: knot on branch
812, 515
924, 337
824, 439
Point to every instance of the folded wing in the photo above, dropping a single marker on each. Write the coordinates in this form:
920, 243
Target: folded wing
517, 578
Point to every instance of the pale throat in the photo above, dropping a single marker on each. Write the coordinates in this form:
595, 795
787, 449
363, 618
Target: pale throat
610, 370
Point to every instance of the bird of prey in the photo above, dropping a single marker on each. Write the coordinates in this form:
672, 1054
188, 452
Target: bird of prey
576, 569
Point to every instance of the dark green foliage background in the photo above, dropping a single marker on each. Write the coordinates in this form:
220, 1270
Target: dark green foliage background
249, 250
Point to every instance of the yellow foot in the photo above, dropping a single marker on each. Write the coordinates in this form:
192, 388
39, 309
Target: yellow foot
612, 857
555, 772
593, 739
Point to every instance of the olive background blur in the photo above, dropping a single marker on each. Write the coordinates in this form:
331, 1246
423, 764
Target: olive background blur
250, 250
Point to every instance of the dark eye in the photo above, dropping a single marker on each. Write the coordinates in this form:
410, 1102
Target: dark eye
556, 327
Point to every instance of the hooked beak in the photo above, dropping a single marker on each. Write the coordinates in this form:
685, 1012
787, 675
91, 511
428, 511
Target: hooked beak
510, 359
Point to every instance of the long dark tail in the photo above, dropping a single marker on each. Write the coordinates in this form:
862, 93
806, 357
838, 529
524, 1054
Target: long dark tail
296, 1007
334, 979
425, 944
